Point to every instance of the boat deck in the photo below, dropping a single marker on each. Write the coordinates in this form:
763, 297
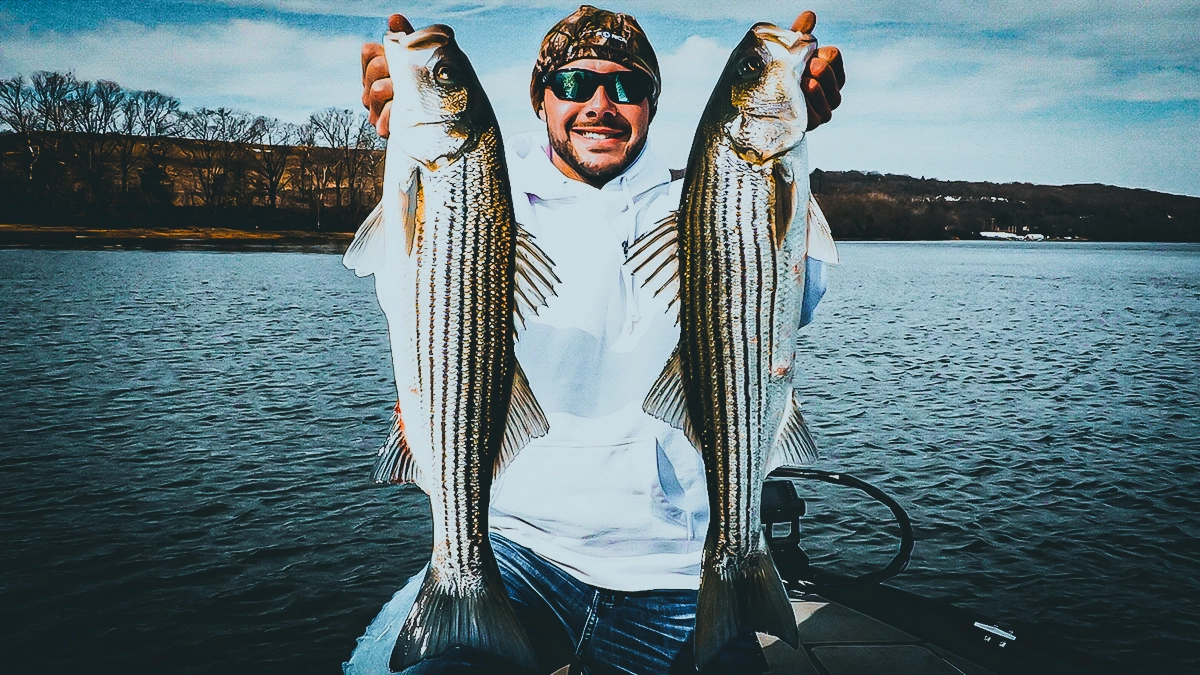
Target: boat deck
836, 640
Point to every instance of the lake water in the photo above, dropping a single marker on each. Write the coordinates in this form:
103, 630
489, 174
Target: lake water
185, 441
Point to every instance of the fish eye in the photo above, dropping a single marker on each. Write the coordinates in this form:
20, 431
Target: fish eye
445, 73
750, 67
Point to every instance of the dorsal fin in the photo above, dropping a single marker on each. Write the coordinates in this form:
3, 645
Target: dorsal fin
794, 445
667, 399
395, 462
525, 421
535, 278
654, 257
368, 250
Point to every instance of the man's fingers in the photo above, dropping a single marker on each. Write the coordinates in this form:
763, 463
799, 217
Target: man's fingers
369, 52
806, 22
822, 72
833, 56
381, 95
385, 118
397, 23
376, 70
819, 111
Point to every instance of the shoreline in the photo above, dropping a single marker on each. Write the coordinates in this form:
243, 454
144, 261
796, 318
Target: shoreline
233, 240
174, 239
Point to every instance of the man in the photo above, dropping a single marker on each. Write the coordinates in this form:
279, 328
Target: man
598, 527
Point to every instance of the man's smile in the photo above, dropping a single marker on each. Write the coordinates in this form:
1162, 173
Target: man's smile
600, 135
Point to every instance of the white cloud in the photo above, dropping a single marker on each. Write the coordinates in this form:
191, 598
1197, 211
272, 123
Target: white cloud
264, 67
1074, 94
688, 77
931, 106
508, 90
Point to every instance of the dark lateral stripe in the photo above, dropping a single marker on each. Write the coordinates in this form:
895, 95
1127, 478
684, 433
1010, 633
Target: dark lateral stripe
465, 342
728, 281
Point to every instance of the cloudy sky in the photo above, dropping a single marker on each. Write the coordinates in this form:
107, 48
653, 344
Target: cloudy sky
1044, 91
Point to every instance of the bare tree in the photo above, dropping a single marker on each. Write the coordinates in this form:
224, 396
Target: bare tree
307, 177
16, 105
362, 162
217, 150
367, 142
146, 119
270, 160
17, 112
94, 110
158, 115
127, 142
334, 128
52, 99
160, 120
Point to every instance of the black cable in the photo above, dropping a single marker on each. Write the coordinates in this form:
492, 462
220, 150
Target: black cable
899, 562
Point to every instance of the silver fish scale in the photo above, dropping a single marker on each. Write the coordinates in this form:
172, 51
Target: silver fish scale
463, 327
728, 280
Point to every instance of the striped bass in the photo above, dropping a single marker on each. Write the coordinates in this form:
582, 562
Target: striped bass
737, 253
451, 268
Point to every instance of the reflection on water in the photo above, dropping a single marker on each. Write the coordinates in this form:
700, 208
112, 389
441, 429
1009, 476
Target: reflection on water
187, 439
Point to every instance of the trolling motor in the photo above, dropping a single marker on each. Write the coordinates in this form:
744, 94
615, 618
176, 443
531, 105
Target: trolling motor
782, 509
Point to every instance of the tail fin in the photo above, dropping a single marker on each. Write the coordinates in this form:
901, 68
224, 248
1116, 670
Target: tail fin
483, 621
732, 596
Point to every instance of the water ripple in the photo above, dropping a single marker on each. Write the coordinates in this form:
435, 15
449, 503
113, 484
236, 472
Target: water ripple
187, 438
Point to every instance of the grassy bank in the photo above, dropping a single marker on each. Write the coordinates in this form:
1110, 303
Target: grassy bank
165, 239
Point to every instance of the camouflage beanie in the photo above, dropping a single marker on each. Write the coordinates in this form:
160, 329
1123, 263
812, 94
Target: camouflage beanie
591, 33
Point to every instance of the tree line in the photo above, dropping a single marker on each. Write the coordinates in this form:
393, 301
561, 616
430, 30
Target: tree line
885, 206
77, 150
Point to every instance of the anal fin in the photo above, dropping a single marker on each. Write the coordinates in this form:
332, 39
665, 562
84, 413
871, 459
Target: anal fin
667, 399
794, 444
395, 462
525, 421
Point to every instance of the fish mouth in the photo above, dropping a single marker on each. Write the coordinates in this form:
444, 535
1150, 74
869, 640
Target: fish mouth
429, 37
791, 40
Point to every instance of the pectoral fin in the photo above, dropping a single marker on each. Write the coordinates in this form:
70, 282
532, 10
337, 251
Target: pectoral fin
412, 208
785, 202
535, 277
525, 421
395, 463
367, 252
667, 399
794, 445
820, 238
654, 257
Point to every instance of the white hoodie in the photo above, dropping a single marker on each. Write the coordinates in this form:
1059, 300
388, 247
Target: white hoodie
611, 495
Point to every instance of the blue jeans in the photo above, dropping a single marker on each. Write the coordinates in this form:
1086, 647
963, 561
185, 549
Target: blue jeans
596, 630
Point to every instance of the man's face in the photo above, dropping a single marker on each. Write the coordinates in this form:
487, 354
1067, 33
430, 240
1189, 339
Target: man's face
595, 140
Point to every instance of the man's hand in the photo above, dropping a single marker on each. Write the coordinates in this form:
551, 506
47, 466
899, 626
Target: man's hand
824, 77
377, 81
822, 82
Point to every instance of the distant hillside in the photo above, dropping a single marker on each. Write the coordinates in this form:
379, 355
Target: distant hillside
886, 206
117, 181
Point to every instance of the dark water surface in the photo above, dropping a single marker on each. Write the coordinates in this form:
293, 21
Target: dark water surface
185, 440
